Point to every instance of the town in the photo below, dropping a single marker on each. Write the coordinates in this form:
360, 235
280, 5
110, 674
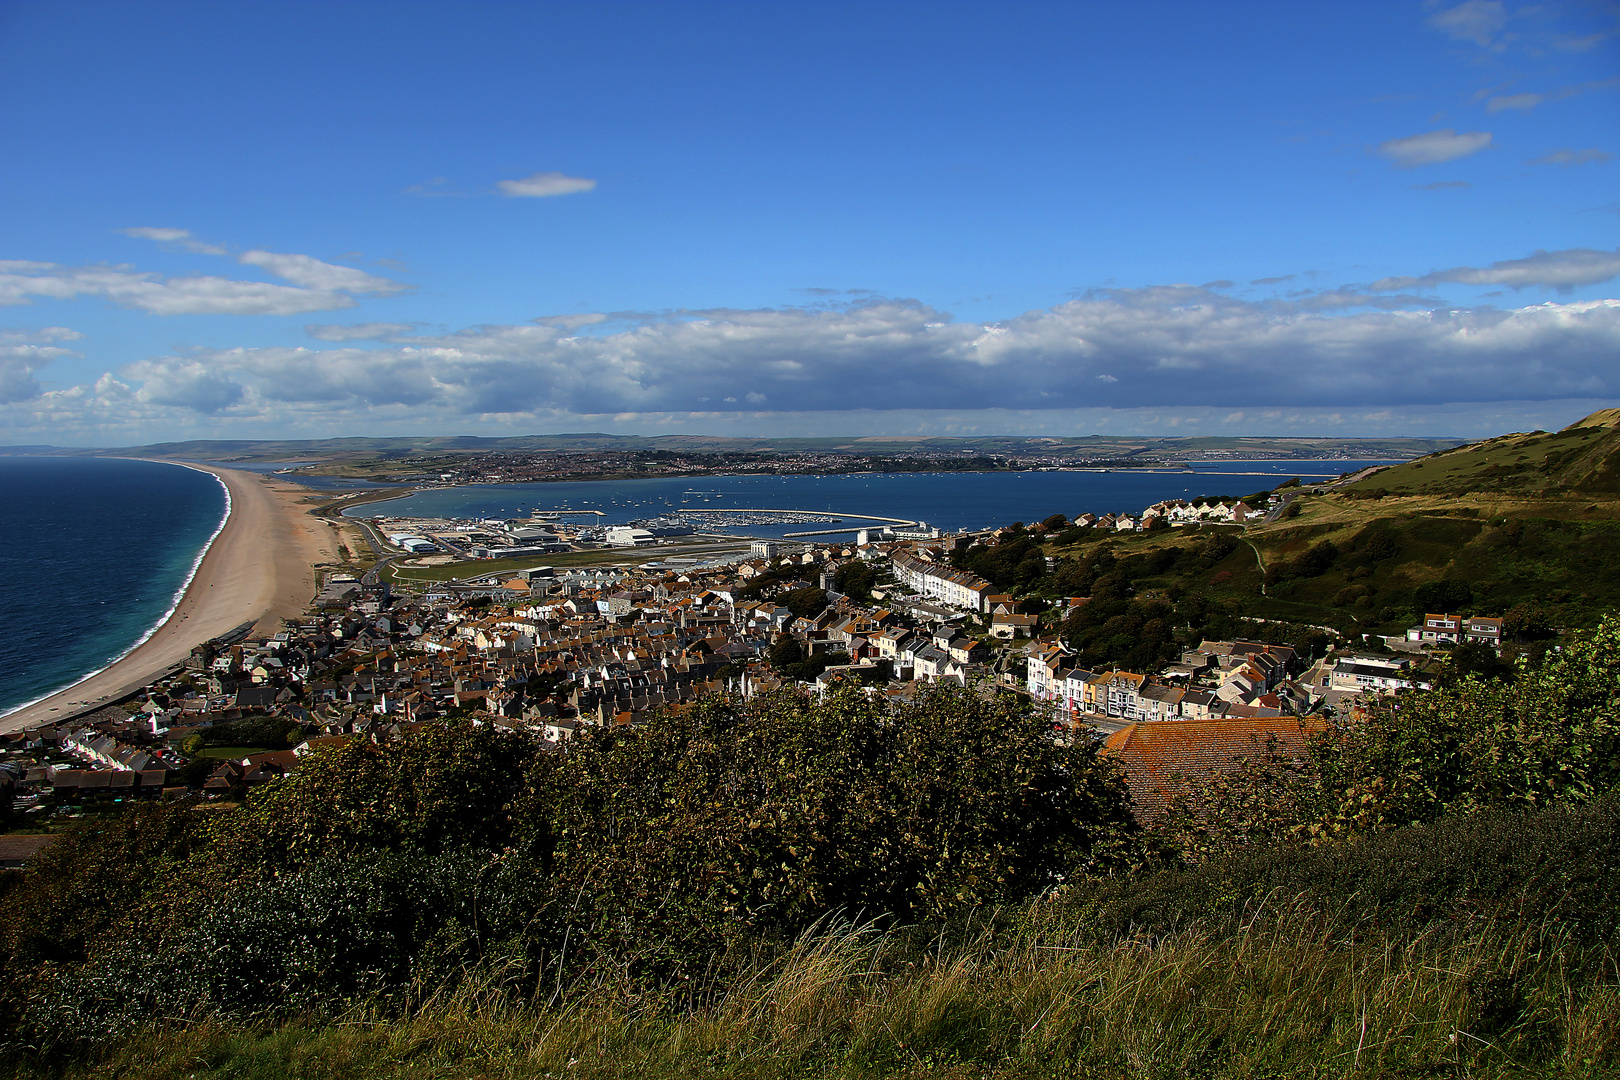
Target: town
547, 650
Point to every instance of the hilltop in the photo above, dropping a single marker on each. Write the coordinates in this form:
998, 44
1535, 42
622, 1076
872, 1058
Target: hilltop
1582, 459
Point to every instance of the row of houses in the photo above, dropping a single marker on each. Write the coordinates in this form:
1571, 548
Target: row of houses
956, 588
1243, 679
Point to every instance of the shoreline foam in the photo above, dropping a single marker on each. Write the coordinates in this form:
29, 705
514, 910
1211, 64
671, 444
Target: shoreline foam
174, 601
258, 564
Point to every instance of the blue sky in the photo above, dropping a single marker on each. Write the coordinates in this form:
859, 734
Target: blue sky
285, 220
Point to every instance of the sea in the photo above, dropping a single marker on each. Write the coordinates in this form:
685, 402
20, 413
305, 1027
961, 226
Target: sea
95, 554
948, 501
96, 551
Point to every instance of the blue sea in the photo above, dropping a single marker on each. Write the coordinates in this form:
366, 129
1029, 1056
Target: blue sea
949, 501
95, 554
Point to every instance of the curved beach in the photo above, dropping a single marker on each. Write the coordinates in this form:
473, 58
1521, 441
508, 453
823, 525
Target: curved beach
259, 568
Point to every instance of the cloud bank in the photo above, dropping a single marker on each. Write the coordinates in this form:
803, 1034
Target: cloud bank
1180, 349
1165, 347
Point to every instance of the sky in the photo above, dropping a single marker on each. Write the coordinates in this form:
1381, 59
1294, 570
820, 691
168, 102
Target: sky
286, 220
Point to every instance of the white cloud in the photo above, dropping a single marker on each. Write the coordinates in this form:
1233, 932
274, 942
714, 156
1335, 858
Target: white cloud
544, 184
181, 238
311, 273
316, 285
1562, 270
1174, 346
1519, 102
188, 384
1433, 147
130, 288
1478, 21
23, 352
1526, 102
1566, 158
371, 331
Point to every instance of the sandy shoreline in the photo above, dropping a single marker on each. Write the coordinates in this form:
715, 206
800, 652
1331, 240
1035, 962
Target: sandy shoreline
259, 568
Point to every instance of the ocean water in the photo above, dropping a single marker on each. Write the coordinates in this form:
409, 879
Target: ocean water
93, 554
949, 501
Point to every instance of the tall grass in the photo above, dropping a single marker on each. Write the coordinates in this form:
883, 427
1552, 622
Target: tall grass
1283, 991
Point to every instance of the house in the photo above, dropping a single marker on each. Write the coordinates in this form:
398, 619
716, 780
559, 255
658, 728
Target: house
1359, 674
17, 848
1437, 627
1165, 763
1009, 625
1485, 631
957, 588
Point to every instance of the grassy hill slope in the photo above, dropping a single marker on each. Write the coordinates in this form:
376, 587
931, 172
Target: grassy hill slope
1523, 521
1474, 947
1582, 459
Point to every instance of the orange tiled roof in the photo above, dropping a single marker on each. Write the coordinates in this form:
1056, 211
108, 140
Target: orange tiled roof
1161, 760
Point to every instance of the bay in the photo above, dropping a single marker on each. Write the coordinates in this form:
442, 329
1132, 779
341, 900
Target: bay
948, 501
95, 554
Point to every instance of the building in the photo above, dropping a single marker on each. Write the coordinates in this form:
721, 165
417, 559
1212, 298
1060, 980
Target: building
956, 588
626, 536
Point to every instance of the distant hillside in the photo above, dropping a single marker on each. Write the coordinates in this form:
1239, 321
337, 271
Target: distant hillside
1582, 459
1118, 447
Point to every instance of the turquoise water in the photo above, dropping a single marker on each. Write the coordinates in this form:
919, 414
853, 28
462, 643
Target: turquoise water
95, 551
949, 501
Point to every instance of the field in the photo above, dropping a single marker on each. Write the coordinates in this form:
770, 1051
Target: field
456, 571
229, 753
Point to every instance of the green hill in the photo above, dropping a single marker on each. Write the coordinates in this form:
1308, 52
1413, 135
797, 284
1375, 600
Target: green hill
1582, 459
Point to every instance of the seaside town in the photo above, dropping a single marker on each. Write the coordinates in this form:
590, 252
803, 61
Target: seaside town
547, 650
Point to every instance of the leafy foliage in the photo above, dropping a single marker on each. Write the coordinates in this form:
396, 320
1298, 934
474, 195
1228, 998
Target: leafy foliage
735, 819
387, 871
856, 579
270, 732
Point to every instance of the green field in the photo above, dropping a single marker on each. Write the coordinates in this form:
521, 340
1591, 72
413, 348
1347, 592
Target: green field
606, 557
230, 753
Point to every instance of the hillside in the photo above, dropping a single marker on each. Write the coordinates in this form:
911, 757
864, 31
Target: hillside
1539, 545
408, 449
1582, 459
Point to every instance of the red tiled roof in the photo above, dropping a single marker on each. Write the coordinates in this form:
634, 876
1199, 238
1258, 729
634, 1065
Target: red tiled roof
1162, 759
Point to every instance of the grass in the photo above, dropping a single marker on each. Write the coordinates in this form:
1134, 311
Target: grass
1283, 995
230, 752
1509, 550
1476, 947
605, 557
1536, 463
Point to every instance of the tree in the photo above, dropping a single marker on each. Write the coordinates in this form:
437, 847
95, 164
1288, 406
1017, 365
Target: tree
805, 603
1443, 596
1477, 659
740, 818
1552, 733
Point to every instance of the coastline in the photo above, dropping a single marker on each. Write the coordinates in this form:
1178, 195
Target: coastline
258, 566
